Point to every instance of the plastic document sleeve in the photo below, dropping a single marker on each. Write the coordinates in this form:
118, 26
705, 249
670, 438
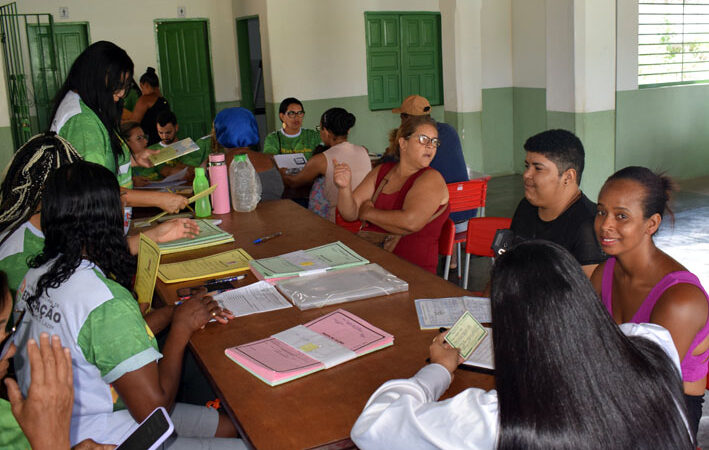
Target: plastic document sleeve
341, 286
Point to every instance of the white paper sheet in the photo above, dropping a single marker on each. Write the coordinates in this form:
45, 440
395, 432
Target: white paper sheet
252, 299
483, 356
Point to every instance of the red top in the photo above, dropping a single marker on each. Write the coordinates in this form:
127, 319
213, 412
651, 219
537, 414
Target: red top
421, 247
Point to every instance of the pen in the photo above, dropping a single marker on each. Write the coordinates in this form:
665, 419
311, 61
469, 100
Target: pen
265, 238
227, 279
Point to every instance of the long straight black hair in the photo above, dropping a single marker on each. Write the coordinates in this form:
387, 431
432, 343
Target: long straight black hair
566, 376
82, 218
98, 72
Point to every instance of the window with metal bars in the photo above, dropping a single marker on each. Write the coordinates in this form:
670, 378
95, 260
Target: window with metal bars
673, 42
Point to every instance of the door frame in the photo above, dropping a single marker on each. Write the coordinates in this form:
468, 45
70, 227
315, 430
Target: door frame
244, 60
205, 20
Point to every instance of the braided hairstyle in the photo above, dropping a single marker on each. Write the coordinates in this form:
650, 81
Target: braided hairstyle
26, 175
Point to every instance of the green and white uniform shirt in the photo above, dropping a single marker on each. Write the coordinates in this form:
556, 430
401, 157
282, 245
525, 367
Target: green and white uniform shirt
304, 142
78, 124
100, 322
27, 241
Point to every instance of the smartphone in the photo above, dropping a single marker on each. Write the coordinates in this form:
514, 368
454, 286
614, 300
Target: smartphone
151, 433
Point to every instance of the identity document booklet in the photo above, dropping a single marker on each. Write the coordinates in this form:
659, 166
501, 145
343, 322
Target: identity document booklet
320, 344
174, 150
335, 255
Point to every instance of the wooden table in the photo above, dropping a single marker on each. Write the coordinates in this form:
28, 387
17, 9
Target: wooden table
319, 409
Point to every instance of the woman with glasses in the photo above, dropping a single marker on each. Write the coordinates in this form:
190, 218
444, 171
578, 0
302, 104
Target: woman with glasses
291, 138
404, 198
88, 113
335, 124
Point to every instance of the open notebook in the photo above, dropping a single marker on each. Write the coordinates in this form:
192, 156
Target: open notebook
320, 344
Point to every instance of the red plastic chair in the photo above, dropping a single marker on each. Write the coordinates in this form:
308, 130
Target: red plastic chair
463, 196
445, 244
349, 226
480, 234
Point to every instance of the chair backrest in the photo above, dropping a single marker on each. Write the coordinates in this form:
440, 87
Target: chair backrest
349, 226
447, 238
481, 232
467, 195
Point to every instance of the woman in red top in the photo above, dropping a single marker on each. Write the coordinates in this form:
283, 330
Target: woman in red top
413, 201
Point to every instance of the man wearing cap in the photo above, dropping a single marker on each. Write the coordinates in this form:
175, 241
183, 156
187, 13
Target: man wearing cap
449, 159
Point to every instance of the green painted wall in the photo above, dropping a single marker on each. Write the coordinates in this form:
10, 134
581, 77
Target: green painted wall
664, 129
529, 118
224, 105
7, 148
597, 132
498, 131
371, 129
468, 125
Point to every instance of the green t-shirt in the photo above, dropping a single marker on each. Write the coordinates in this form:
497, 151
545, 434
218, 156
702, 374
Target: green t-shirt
26, 242
78, 124
305, 142
11, 435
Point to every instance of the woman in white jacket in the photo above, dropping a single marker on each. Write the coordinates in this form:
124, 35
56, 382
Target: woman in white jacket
567, 377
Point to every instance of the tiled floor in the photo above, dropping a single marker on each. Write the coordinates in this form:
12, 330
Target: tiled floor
687, 240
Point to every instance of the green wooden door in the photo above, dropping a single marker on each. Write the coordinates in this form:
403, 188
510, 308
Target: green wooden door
383, 60
186, 74
242, 42
421, 56
51, 58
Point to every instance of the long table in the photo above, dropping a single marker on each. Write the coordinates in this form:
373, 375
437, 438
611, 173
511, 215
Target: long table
319, 409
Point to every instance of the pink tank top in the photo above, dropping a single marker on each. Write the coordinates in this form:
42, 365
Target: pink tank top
421, 247
694, 367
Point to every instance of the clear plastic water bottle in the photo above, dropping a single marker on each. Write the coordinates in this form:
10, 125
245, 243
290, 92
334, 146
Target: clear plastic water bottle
244, 184
202, 207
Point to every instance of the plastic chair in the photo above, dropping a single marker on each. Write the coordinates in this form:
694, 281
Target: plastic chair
445, 244
352, 227
480, 234
463, 196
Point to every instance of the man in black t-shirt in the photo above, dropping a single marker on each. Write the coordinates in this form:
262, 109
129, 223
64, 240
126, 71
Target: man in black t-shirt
553, 207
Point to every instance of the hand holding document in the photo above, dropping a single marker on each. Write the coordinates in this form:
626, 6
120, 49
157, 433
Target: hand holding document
174, 150
192, 199
292, 162
466, 335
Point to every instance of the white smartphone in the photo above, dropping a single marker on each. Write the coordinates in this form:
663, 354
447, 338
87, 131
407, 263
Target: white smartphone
151, 433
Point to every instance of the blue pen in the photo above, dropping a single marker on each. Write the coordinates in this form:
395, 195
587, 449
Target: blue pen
265, 238
227, 279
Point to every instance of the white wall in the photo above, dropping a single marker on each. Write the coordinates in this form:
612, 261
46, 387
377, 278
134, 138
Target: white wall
496, 30
323, 41
129, 23
594, 55
4, 101
461, 54
529, 43
560, 55
627, 45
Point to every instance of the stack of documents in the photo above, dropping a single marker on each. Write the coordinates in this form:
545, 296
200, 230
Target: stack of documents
320, 344
209, 235
209, 266
306, 262
340, 286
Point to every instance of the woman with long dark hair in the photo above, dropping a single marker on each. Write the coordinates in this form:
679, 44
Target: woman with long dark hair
21, 191
641, 283
79, 289
567, 377
87, 113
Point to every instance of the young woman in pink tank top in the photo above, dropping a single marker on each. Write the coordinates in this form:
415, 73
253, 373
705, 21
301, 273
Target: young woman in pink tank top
641, 283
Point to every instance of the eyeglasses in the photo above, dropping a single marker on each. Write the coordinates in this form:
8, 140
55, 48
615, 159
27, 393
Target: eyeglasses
292, 114
318, 128
425, 140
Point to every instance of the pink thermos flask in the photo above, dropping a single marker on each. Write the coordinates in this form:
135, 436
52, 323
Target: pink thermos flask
218, 175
